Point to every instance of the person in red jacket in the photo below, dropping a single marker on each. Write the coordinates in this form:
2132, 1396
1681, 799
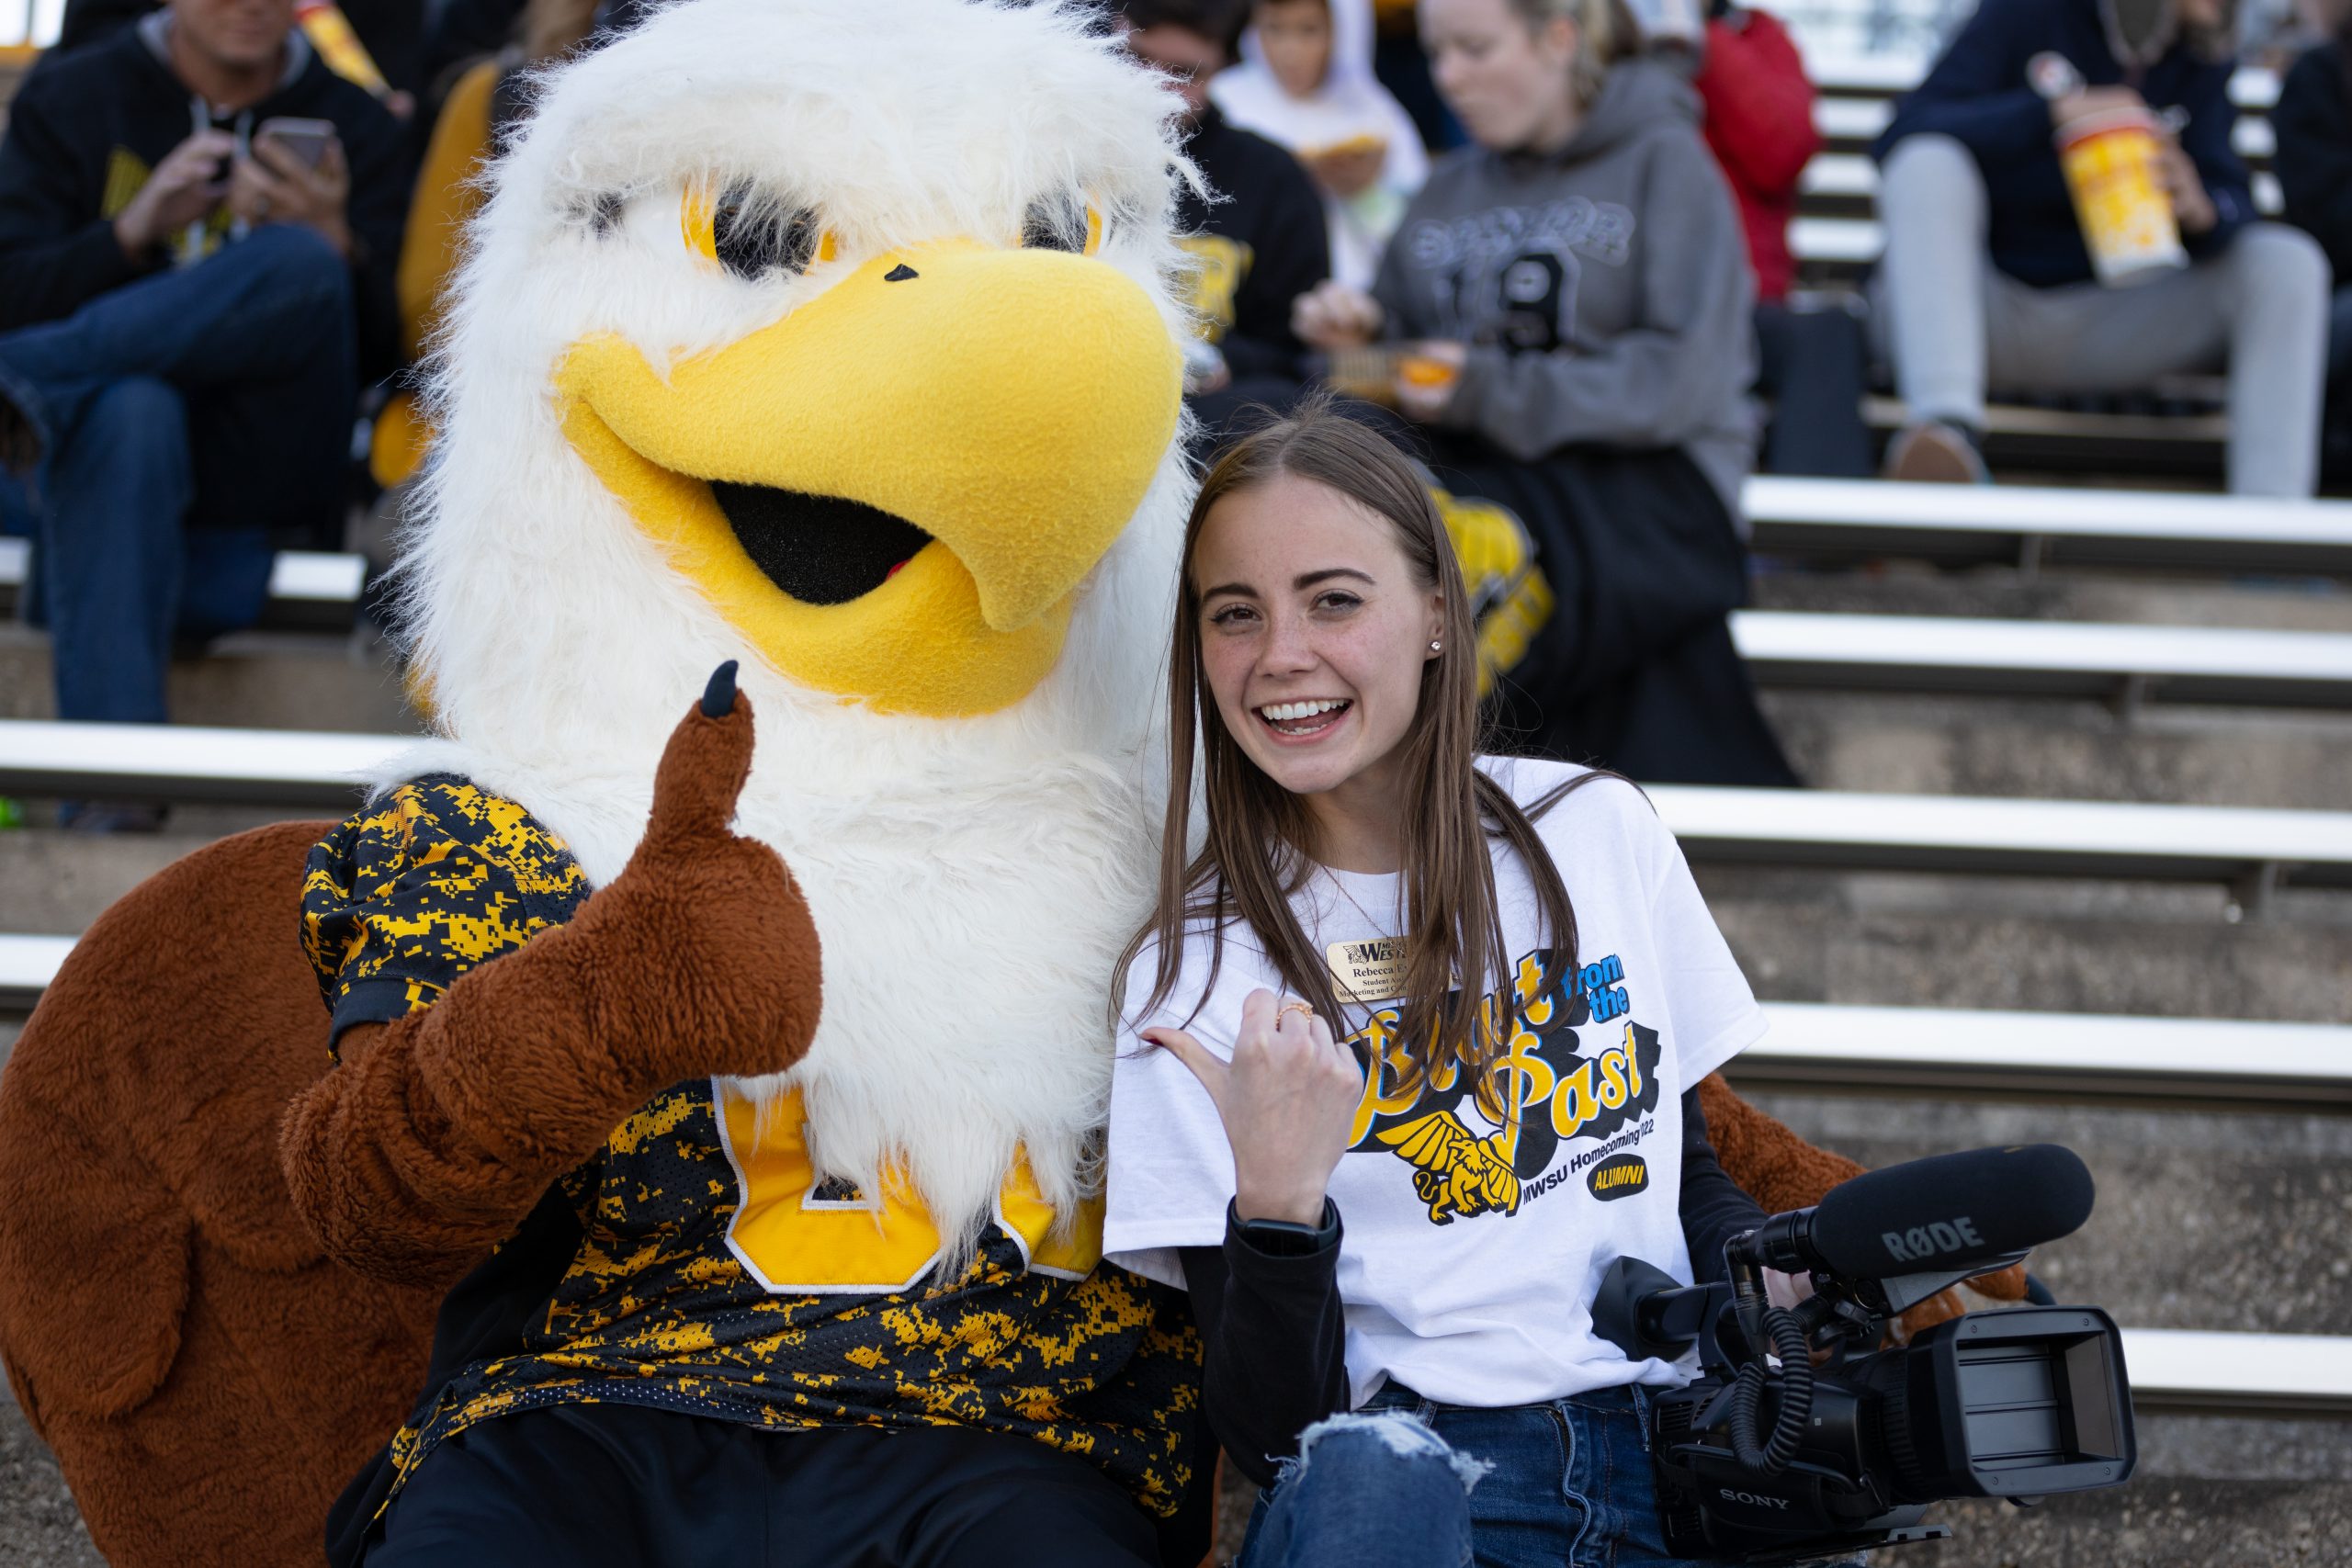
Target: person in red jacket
1759, 127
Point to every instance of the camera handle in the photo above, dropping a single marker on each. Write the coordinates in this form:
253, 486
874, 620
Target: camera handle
1901, 1292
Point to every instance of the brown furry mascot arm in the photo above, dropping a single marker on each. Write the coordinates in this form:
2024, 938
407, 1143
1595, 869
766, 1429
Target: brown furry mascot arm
1782, 1171
440, 1131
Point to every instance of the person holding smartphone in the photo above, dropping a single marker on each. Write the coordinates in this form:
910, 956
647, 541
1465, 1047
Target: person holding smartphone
1410, 1048
198, 221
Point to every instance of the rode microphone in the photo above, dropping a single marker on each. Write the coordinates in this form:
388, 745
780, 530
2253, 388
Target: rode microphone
1943, 1212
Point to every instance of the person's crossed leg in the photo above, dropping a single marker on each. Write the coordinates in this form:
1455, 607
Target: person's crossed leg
1955, 323
178, 421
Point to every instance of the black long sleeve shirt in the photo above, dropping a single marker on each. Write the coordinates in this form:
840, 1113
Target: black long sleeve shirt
1274, 1334
1260, 245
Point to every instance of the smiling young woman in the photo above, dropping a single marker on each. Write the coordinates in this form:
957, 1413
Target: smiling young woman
1466, 1000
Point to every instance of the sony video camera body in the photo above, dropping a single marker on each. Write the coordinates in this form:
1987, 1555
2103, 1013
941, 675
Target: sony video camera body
1770, 1458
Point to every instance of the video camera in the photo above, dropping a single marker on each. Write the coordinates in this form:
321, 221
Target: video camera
1768, 1458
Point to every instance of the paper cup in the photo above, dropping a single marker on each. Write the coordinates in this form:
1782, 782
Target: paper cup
2128, 223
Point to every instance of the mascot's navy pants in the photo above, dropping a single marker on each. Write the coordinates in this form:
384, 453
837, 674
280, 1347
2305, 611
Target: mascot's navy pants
614, 1483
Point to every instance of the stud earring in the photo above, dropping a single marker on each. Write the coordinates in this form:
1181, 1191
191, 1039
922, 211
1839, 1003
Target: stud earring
1436, 647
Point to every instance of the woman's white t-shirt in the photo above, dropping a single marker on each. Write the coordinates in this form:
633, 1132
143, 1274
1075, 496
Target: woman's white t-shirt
1474, 1242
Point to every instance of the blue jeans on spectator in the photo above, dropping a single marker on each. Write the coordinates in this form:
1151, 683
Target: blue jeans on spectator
1415, 1485
188, 421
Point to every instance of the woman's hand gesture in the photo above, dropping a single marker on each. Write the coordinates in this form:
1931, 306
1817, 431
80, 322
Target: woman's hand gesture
1287, 1100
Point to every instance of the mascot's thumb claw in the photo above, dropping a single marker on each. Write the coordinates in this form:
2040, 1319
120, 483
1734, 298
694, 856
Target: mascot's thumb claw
705, 764
718, 697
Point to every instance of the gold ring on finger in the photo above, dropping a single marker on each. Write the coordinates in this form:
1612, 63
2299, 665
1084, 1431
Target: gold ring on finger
1289, 1008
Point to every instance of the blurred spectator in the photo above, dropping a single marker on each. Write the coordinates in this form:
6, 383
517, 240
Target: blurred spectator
1404, 70
1260, 245
1570, 300
390, 34
1306, 83
2314, 126
189, 264
1760, 126
1987, 276
476, 103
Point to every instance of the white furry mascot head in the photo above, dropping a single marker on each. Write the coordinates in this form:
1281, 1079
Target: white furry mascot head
836, 336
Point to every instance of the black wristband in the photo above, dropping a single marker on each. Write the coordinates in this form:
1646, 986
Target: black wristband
1285, 1238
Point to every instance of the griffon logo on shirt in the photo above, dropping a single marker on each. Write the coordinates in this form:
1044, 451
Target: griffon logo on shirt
1542, 1088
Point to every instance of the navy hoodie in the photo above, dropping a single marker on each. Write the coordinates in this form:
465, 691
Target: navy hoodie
84, 133
1978, 93
2313, 122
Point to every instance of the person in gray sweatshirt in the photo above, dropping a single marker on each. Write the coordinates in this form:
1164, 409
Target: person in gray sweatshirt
1571, 300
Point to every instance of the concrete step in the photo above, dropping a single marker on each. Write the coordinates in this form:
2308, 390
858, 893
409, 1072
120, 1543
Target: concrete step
2064, 749
40, 1527
2043, 945
2161, 1519
57, 883
257, 680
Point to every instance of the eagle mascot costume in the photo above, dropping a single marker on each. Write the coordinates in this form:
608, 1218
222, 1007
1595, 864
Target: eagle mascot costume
538, 1116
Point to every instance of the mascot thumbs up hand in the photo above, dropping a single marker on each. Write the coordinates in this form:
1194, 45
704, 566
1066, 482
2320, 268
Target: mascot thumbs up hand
700, 957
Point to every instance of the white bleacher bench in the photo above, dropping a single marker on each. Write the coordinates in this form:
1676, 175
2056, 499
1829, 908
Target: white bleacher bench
27, 964
2129, 664
307, 588
192, 762
2035, 525
2085, 1056
2254, 851
2082, 1056
2031, 525
2275, 1375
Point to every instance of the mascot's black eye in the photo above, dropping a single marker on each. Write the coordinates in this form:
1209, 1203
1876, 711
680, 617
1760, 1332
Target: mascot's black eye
1057, 223
751, 237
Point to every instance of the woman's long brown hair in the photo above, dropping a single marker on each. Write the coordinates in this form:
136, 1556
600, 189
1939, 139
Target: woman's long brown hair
1260, 846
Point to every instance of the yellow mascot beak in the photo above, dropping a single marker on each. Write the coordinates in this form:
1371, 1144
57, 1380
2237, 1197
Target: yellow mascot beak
893, 490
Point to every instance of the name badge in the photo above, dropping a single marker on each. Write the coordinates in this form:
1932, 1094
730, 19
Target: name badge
1370, 970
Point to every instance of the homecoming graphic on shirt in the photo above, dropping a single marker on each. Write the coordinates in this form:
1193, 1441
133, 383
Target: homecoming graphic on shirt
1574, 1067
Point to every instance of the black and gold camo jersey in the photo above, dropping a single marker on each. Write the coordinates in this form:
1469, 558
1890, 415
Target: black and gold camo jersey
696, 1263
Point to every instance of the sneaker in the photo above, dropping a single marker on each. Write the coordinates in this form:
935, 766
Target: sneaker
1935, 453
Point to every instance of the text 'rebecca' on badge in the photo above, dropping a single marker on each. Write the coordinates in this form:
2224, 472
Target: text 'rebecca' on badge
1370, 971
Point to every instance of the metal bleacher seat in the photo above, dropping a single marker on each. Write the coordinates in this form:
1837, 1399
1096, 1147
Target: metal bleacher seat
2254, 851
191, 763
2034, 526
2268, 1374
2081, 1057
2021, 524
2129, 664
308, 590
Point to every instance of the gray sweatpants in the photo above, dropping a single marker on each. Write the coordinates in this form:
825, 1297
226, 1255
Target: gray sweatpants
1951, 320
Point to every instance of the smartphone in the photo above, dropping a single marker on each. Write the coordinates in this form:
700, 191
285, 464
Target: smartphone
306, 139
